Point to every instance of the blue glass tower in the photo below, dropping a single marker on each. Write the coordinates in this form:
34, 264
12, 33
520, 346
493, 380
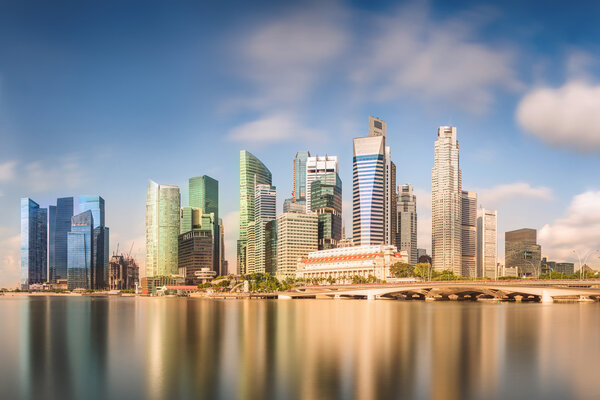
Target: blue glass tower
100, 256
59, 227
80, 251
34, 245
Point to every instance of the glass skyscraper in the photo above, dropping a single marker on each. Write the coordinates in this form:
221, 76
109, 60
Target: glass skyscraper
252, 173
326, 201
59, 227
100, 256
80, 251
162, 229
34, 243
299, 192
204, 194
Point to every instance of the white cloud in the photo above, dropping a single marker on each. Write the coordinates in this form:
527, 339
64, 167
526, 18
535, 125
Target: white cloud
286, 56
272, 128
65, 172
7, 171
577, 230
413, 54
564, 117
496, 196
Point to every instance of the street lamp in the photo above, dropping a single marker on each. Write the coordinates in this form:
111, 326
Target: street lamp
584, 261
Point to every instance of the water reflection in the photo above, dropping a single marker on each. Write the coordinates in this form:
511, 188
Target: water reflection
105, 348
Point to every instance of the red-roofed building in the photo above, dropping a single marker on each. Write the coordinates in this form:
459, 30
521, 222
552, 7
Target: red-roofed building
342, 264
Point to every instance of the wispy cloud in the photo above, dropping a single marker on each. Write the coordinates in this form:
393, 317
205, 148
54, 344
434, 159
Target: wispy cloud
496, 196
7, 171
65, 172
277, 127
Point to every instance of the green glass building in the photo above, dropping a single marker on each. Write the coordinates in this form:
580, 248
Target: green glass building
162, 229
252, 172
326, 201
204, 195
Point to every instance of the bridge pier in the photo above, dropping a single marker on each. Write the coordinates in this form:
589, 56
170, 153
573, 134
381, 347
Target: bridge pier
370, 297
546, 298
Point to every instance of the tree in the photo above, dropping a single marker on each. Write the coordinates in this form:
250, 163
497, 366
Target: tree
402, 270
422, 270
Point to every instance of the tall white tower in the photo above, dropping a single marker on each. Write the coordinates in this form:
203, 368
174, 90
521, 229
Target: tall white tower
446, 198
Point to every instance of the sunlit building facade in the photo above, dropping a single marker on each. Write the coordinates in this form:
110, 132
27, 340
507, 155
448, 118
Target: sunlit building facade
522, 252
204, 194
162, 229
299, 177
406, 233
326, 202
297, 235
317, 166
252, 173
265, 203
487, 243
446, 198
34, 243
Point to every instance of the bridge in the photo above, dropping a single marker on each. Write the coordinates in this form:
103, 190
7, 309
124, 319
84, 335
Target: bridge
545, 291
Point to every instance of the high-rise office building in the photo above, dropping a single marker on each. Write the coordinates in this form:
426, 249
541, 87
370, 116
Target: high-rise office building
317, 166
204, 194
487, 243
80, 251
446, 199
523, 252
469, 233
265, 201
196, 250
252, 173
297, 235
326, 202
162, 229
271, 247
59, 225
299, 177
406, 233
189, 218
100, 248
373, 188
34, 243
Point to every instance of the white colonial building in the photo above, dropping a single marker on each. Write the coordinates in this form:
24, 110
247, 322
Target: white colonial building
342, 264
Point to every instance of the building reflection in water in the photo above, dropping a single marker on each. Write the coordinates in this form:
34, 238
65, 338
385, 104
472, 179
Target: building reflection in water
160, 348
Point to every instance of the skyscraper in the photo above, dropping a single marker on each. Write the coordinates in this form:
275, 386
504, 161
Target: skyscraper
100, 256
59, 227
34, 243
297, 235
487, 243
252, 172
299, 191
204, 194
326, 201
315, 167
80, 251
265, 201
196, 248
469, 233
523, 252
406, 235
446, 199
162, 229
373, 188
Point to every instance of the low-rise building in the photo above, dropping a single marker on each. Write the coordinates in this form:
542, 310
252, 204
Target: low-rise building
342, 264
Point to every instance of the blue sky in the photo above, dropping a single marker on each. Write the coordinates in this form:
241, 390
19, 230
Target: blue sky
98, 97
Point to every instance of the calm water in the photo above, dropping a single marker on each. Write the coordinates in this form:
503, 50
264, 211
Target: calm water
159, 348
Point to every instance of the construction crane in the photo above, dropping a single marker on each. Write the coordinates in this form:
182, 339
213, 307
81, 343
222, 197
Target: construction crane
130, 250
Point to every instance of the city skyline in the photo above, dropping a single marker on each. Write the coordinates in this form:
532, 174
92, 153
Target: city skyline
534, 180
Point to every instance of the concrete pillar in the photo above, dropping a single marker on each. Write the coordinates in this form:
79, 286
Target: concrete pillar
370, 297
284, 297
546, 298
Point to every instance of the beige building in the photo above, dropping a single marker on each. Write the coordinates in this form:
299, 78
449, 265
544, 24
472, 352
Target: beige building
297, 235
487, 243
469, 234
342, 264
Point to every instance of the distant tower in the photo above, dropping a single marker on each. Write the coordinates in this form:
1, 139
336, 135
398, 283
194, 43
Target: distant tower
252, 172
487, 243
162, 229
315, 167
34, 246
469, 233
326, 201
81, 251
406, 237
265, 201
58, 229
100, 256
299, 191
373, 188
204, 194
446, 196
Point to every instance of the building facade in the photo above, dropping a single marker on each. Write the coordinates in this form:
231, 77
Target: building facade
34, 243
299, 177
487, 243
59, 225
342, 264
326, 202
265, 204
406, 233
204, 194
100, 248
123, 273
252, 172
196, 253
315, 167
80, 252
469, 233
162, 229
523, 252
446, 198
297, 235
